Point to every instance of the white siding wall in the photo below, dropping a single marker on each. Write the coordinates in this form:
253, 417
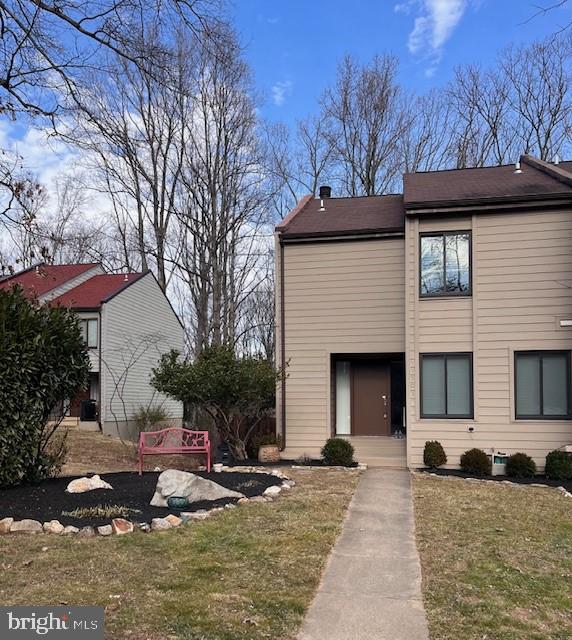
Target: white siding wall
138, 325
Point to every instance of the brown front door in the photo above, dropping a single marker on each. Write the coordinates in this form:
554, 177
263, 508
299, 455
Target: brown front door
371, 406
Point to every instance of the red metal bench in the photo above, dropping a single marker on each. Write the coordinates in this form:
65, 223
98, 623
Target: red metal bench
173, 440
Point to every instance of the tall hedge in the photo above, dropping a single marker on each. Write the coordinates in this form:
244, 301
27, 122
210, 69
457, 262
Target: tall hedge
43, 360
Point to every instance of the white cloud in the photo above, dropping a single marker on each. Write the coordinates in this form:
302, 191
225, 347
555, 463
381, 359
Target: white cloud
435, 22
280, 91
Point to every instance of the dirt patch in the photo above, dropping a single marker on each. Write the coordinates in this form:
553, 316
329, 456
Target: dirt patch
49, 500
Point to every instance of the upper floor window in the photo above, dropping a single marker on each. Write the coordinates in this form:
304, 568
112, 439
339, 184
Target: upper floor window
88, 330
542, 384
445, 264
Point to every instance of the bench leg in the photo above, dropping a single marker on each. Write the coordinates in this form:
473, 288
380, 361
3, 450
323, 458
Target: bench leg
209, 460
140, 463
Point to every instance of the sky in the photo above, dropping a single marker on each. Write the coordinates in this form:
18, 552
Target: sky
293, 46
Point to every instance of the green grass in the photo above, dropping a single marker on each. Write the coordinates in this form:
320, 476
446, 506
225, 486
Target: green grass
245, 573
497, 560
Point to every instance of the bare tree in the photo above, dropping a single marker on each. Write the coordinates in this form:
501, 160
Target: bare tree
224, 197
367, 116
135, 128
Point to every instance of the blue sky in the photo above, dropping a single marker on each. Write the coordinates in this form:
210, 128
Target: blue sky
293, 45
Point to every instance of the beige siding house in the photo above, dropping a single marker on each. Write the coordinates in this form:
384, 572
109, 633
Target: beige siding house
443, 314
127, 323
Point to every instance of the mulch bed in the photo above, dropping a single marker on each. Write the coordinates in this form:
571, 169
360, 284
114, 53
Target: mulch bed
540, 479
49, 499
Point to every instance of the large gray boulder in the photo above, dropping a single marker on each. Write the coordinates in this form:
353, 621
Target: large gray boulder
181, 483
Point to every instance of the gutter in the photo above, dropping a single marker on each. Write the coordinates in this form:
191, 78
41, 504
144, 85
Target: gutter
282, 347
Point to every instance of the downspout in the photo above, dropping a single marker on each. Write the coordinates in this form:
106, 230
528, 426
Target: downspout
282, 348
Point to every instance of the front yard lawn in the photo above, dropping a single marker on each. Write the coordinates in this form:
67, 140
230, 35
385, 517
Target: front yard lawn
497, 560
248, 572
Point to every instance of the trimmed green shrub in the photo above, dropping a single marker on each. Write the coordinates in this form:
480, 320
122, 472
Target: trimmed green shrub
476, 462
338, 452
434, 454
43, 361
236, 392
520, 465
559, 465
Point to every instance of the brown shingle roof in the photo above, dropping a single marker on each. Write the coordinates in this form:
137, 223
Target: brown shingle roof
464, 186
345, 216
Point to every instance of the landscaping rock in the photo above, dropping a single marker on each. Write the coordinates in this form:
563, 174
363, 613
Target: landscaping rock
105, 530
194, 515
26, 526
181, 483
53, 526
120, 526
86, 532
243, 500
5, 525
160, 524
258, 499
174, 520
230, 506
81, 485
143, 526
272, 491
69, 530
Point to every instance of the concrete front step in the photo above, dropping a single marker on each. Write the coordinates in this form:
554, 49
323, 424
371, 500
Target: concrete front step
383, 462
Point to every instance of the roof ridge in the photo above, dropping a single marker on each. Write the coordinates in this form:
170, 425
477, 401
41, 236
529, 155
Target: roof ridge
552, 170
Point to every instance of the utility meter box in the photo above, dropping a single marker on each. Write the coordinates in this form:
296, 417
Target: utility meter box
499, 463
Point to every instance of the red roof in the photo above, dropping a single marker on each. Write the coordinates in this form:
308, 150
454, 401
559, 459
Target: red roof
93, 292
42, 278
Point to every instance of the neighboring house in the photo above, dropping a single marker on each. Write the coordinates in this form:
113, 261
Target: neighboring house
127, 323
441, 314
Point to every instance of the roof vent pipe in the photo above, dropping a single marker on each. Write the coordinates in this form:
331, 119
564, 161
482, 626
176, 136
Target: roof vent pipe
517, 168
556, 159
325, 192
322, 208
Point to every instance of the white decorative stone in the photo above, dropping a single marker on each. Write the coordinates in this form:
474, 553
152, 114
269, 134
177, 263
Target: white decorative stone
243, 500
26, 526
272, 491
105, 530
188, 485
86, 532
160, 524
5, 525
81, 485
194, 515
69, 530
53, 526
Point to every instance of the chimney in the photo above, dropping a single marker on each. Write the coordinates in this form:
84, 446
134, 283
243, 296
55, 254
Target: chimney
325, 192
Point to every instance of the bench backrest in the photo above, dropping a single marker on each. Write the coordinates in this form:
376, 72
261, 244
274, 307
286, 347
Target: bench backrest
174, 438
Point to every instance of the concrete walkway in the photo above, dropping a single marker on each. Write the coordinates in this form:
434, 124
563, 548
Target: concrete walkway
371, 588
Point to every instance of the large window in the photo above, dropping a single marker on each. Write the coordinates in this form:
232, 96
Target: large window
542, 384
445, 264
446, 385
88, 330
